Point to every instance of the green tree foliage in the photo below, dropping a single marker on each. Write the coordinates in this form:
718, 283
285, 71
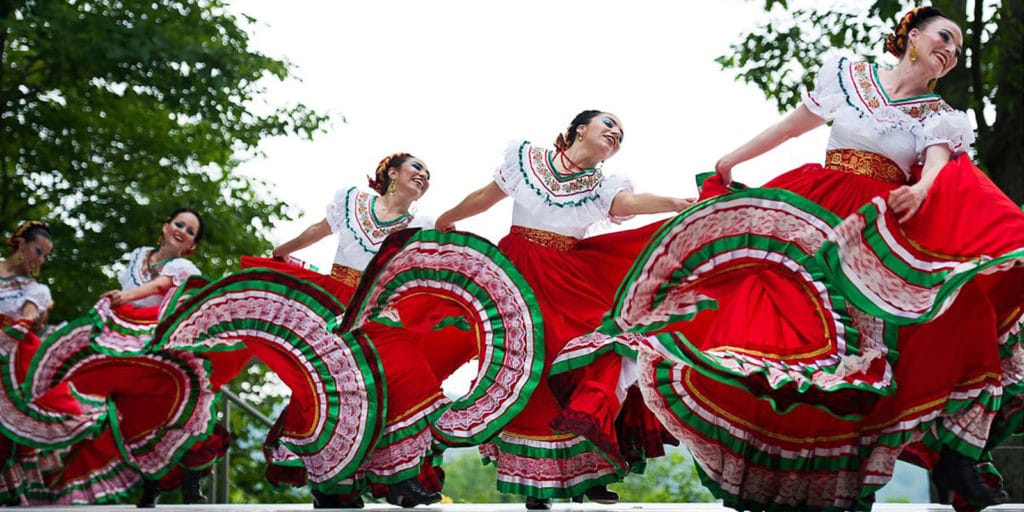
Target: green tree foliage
468, 480
781, 55
113, 113
668, 479
265, 392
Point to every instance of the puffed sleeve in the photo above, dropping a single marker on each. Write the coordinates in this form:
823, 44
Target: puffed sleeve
179, 269
422, 221
949, 127
337, 209
509, 176
827, 96
39, 294
606, 192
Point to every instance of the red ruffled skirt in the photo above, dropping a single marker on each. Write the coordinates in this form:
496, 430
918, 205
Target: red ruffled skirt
544, 452
402, 441
821, 339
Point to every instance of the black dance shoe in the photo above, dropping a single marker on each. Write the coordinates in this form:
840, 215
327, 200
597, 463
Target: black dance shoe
409, 493
150, 493
602, 495
599, 494
537, 503
956, 472
192, 489
324, 500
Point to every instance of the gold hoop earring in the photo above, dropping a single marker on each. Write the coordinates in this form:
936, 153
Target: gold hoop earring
932, 83
913, 53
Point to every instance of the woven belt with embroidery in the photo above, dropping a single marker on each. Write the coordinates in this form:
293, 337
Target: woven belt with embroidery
346, 275
865, 163
546, 238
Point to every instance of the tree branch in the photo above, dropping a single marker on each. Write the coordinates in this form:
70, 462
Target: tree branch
977, 77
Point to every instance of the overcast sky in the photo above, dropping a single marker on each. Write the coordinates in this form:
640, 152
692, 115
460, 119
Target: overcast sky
454, 82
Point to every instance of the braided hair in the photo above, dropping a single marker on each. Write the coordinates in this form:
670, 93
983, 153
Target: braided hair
381, 180
29, 231
919, 17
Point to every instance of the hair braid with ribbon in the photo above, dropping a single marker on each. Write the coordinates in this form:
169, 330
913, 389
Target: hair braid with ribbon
896, 42
380, 180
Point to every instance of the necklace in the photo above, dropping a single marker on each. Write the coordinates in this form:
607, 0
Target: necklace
153, 268
564, 158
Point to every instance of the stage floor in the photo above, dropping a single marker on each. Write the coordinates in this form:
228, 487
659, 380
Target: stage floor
503, 507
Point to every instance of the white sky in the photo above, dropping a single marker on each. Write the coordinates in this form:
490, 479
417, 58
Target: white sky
454, 81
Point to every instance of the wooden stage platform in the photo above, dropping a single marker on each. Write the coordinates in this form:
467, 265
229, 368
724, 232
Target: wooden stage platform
497, 507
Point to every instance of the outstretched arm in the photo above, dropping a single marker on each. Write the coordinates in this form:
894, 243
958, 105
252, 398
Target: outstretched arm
906, 200
308, 237
629, 203
797, 123
476, 202
160, 285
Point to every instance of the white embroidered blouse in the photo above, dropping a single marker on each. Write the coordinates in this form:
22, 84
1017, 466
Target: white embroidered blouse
360, 233
15, 291
549, 201
864, 117
139, 273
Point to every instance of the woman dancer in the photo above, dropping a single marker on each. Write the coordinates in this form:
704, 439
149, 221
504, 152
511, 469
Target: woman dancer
558, 195
23, 302
164, 401
362, 221
840, 345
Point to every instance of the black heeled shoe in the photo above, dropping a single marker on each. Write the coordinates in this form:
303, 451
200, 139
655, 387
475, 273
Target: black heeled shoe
602, 495
956, 472
409, 493
324, 500
538, 503
599, 494
192, 489
150, 493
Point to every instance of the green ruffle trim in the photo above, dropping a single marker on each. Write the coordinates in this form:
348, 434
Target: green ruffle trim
935, 435
444, 282
945, 282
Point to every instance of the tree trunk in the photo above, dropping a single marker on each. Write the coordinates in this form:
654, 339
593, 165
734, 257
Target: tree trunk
1003, 156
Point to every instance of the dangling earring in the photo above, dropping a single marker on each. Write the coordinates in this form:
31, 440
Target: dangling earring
932, 83
391, 188
913, 53
159, 241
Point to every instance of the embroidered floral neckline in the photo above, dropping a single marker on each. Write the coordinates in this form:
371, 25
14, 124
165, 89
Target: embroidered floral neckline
550, 155
367, 225
868, 90
540, 169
